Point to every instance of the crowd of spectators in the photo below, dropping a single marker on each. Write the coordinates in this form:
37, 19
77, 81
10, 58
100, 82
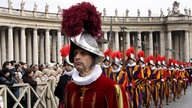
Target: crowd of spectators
12, 73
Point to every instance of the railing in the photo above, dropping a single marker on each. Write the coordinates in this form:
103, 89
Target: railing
45, 98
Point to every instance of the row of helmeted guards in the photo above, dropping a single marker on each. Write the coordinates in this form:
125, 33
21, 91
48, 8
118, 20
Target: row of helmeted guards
147, 81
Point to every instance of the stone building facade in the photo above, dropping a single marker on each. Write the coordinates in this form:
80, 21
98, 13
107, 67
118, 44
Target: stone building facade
35, 37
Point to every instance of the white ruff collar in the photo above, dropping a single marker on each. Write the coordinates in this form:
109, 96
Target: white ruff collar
131, 65
69, 73
105, 66
153, 68
88, 79
117, 70
143, 65
158, 68
171, 68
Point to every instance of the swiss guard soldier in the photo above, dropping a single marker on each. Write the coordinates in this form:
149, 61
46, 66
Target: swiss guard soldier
141, 57
160, 83
166, 75
135, 77
117, 74
188, 69
89, 88
184, 77
145, 90
106, 68
154, 79
173, 78
66, 77
177, 79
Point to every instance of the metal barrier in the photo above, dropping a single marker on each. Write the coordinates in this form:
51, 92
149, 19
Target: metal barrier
27, 89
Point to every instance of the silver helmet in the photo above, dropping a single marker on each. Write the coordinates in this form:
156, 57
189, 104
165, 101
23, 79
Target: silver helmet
116, 61
67, 61
86, 42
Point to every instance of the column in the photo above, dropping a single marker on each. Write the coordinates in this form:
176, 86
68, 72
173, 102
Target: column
10, 43
59, 58
47, 46
16, 45
150, 43
186, 46
29, 46
175, 47
169, 45
127, 38
3, 46
116, 41
23, 45
162, 43
105, 45
42, 49
35, 46
54, 46
190, 44
139, 45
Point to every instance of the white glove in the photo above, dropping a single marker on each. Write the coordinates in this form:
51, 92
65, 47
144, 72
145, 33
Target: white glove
174, 79
162, 80
131, 84
149, 82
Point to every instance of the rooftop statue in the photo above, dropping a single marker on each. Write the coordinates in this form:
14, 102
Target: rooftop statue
104, 12
127, 12
186, 11
169, 11
59, 9
35, 7
22, 5
9, 4
149, 12
138, 13
175, 8
116, 12
161, 11
46, 8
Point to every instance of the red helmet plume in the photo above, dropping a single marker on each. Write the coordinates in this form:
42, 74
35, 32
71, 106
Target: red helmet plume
65, 50
141, 55
150, 60
79, 17
107, 52
130, 53
170, 63
116, 57
158, 60
163, 59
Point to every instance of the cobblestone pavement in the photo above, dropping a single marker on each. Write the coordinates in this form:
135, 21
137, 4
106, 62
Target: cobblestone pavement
184, 102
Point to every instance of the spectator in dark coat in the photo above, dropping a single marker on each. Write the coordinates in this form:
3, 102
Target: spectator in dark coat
28, 78
64, 79
7, 80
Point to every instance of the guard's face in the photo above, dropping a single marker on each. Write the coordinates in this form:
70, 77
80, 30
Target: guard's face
83, 60
140, 63
106, 62
114, 66
68, 67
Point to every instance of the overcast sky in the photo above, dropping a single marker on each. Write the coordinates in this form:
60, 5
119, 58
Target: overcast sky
110, 5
